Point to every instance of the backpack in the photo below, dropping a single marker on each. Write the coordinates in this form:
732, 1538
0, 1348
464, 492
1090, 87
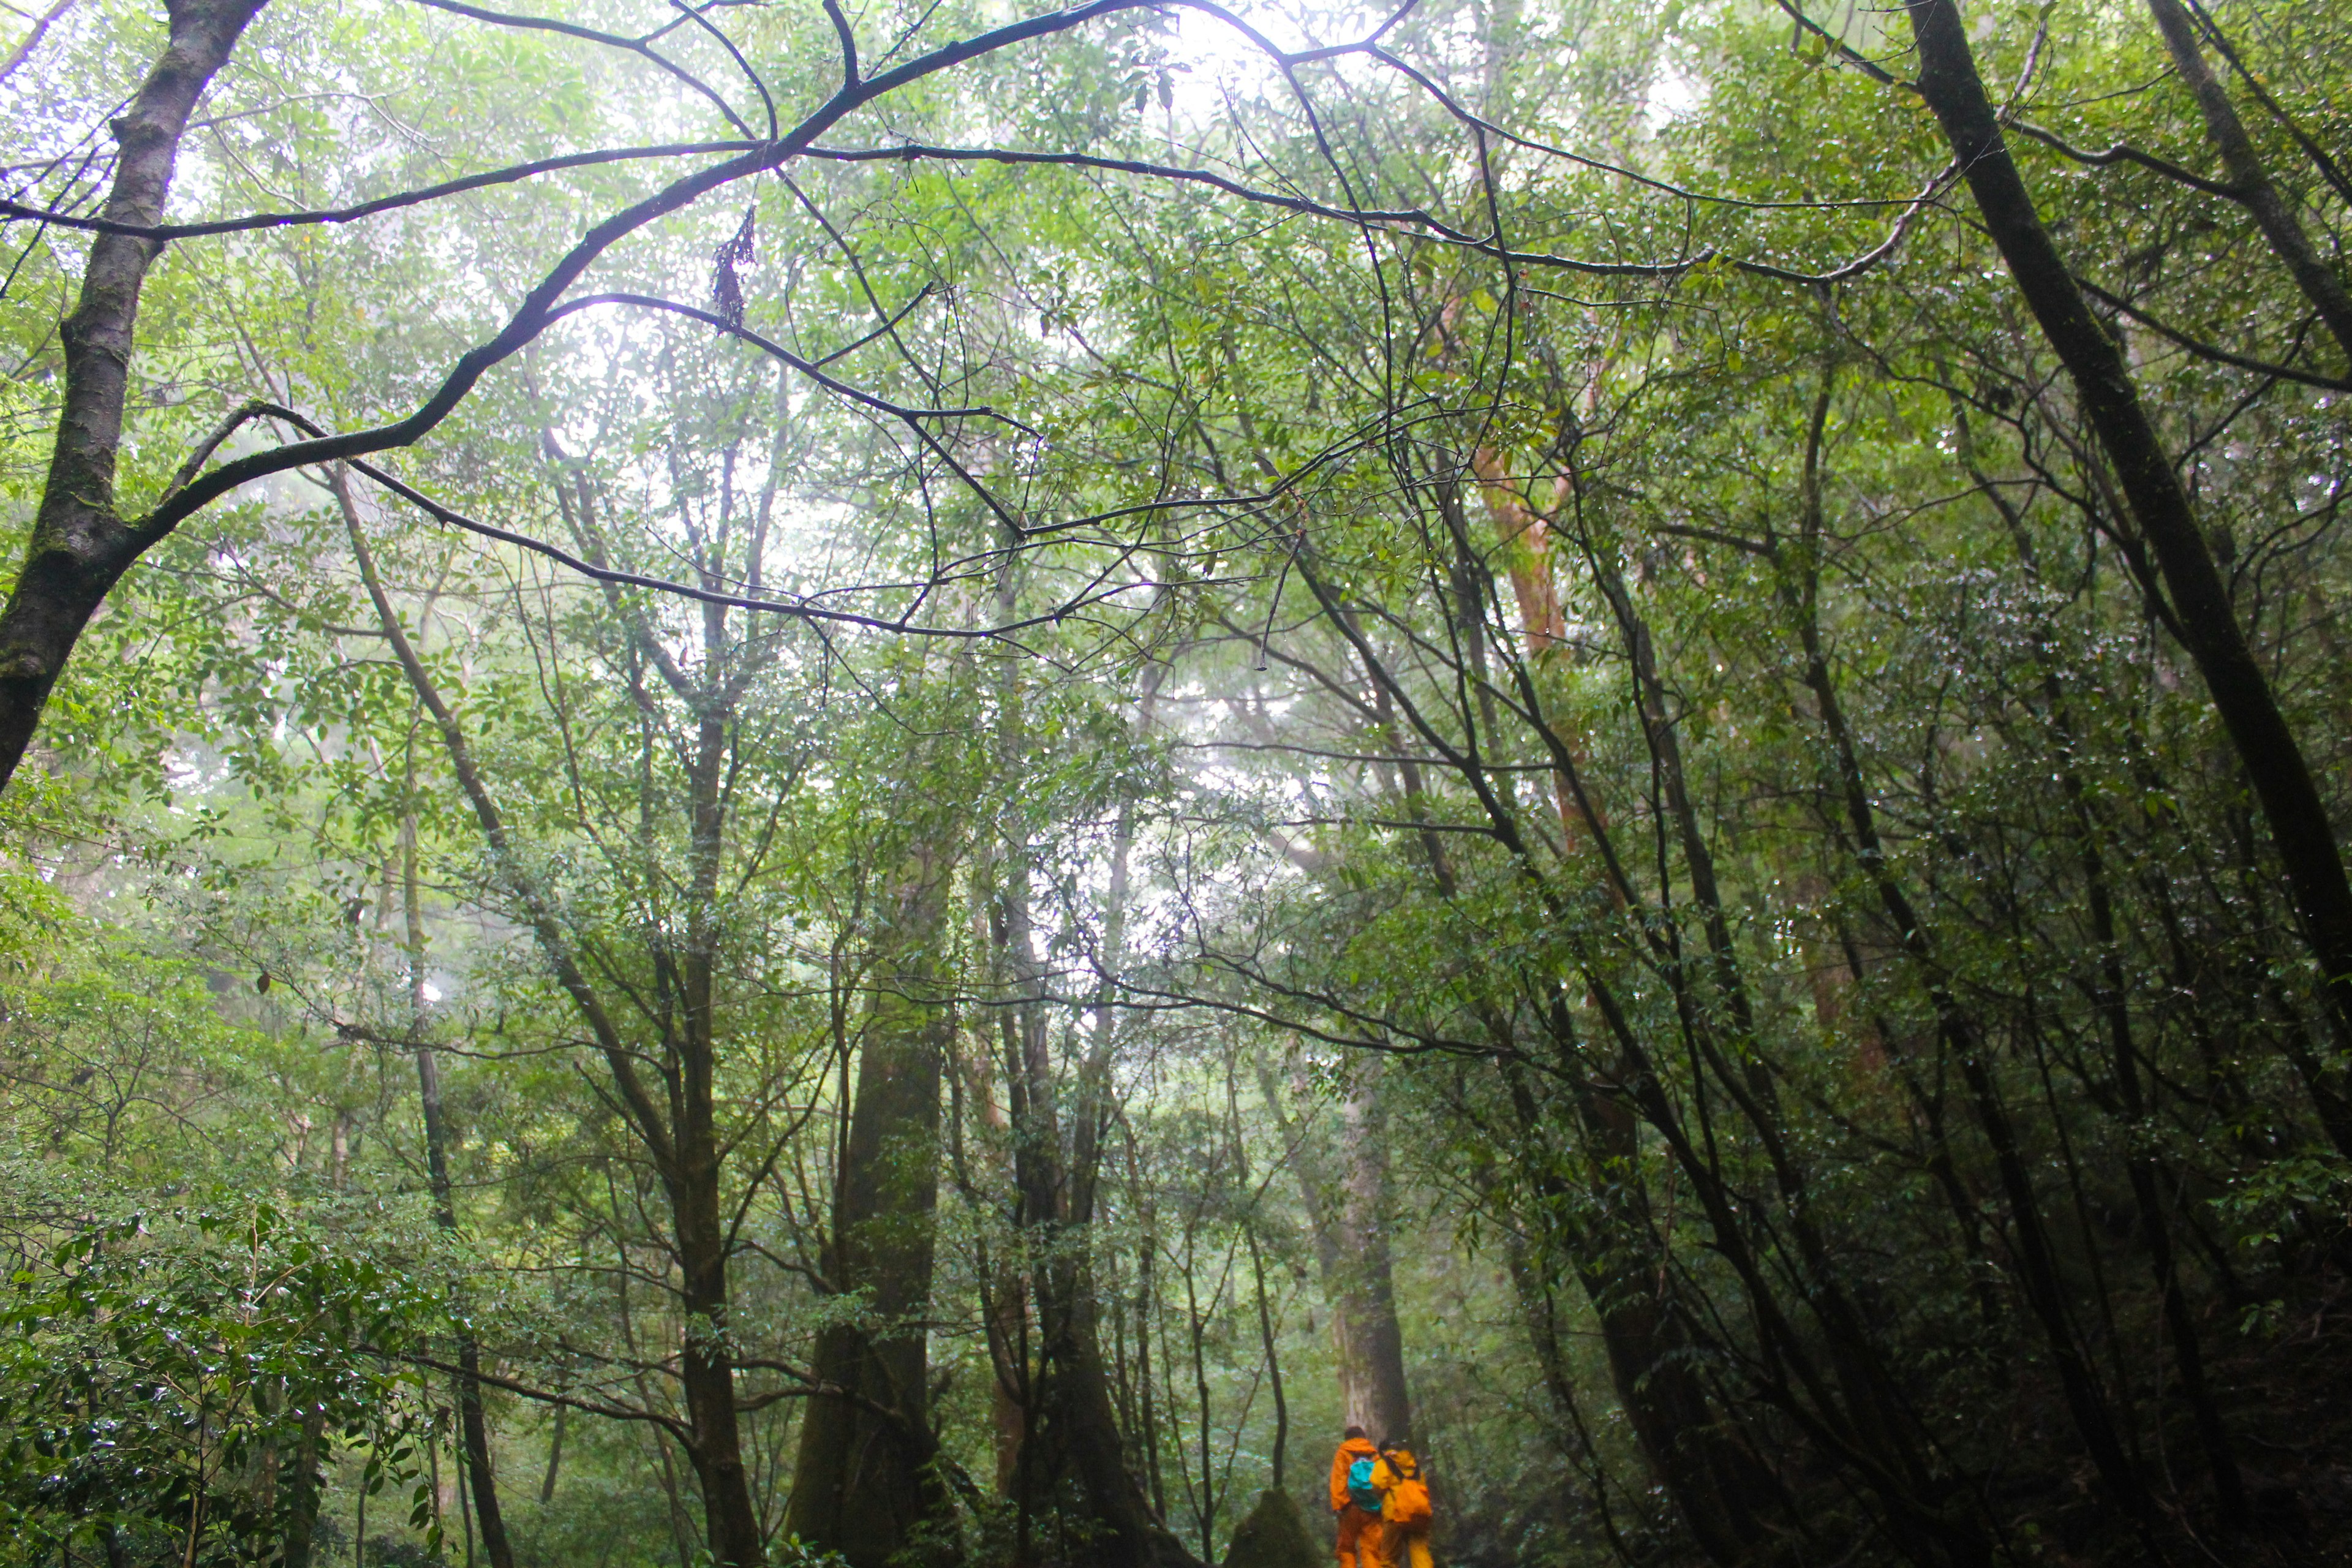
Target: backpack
1408, 1498
1360, 1491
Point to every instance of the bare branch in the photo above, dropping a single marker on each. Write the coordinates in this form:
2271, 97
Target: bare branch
2203, 350
2124, 152
641, 47
41, 25
458, 186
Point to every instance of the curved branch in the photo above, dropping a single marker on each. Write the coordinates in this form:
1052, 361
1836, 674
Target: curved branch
2125, 152
841, 28
41, 25
641, 47
675, 1427
2202, 350
1843, 50
2318, 156
539, 908
758, 86
534, 315
1868, 258
506, 176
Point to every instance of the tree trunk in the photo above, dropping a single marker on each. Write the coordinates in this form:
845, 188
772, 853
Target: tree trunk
1004, 1308
303, 1489
1073, 1461
707, 1367
1272, 1365
2242, 694
861, 1486
1717, 1486
79, 544
1342, 1212
681, 1142
474, 1431
302, 1495
554, 1459
1364, 1329
1344, 1193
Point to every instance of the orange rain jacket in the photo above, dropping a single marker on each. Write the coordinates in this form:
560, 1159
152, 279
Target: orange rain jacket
1350, 1450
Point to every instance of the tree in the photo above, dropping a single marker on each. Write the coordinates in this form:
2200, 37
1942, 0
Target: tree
1506, 710
867, 1481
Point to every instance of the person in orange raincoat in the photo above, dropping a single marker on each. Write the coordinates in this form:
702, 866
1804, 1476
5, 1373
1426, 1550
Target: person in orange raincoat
1359, 1528
1404, 1507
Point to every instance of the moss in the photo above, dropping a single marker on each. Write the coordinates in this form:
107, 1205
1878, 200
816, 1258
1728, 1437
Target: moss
1274, 1536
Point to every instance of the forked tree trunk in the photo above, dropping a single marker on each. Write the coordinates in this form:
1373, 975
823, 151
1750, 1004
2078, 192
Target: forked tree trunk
1073, 1470
1716, 1485
80, 545
861, 1486
681, 1141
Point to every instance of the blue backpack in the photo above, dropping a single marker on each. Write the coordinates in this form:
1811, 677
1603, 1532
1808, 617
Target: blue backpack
1360, 1491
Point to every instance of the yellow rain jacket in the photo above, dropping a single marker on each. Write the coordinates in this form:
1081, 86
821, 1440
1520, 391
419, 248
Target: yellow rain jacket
1405, 1496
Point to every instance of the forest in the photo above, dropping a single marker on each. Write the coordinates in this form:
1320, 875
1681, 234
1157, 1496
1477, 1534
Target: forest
903, 784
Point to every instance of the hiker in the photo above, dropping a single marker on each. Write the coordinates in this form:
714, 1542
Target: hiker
1355, 1503
1404, 1507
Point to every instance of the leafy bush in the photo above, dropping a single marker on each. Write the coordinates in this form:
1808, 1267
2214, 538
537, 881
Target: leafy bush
184, 1376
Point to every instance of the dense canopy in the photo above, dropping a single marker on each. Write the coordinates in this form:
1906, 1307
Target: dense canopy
898, 784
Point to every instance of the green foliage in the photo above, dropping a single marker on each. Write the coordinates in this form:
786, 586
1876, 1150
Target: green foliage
1852, 884
184, 1374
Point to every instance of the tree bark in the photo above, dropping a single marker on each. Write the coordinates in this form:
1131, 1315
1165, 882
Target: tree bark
1340, 1209
1364, 1328
1346, 1209
80, 544
1272, 1365
554, 1459
861, 1485
1717, 1486
302, 1497
2274, 759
